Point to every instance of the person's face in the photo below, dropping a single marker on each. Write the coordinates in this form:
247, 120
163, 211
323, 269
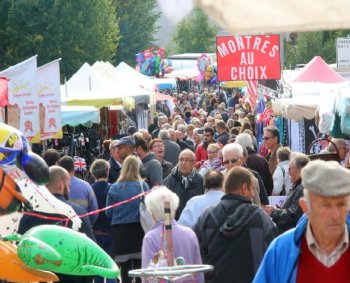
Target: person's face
172, 135
294, 172
190, 132
327, 215
212, 153
207, 137
158, 149
269, 140
179, 135
186, 163
125, 150
231, 159
197, 139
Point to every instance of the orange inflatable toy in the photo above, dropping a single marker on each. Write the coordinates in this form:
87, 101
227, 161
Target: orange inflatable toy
11, 198
14, 270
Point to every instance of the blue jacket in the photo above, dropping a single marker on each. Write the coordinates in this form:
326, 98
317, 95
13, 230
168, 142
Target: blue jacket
128, 212
280, 261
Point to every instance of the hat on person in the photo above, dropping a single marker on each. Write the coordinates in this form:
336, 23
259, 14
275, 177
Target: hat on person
113, 144
126, 141
326, 178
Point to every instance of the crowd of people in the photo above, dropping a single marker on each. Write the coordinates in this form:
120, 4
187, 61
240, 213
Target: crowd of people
204, 160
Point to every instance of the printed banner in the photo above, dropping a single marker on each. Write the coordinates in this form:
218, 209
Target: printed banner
23, 110
49, 100
244, 58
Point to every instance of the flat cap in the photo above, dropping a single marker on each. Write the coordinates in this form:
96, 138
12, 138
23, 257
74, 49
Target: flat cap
126, 141
326, 178
113, 144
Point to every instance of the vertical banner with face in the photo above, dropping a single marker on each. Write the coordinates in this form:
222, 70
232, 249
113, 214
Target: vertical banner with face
23, 110
246, 58
49, 100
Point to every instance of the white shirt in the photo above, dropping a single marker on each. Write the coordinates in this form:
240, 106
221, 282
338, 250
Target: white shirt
279, 180
196, 206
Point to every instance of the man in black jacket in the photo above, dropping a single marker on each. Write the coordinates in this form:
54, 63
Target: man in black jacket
234, 234
59, 187
184, 180
288, 215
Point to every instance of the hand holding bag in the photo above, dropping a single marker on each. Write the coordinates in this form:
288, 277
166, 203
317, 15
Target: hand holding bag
146, 219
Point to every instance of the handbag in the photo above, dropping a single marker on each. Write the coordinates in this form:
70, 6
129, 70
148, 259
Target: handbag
146, 219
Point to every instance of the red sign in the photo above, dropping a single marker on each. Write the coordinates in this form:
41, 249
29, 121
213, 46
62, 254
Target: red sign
250, 57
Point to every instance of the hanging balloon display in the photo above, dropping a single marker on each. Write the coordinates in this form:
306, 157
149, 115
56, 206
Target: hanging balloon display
62, 250
14, 270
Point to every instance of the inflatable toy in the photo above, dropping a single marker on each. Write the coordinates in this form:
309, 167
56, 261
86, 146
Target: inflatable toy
11, 199
14, 270
15, 151
62, 250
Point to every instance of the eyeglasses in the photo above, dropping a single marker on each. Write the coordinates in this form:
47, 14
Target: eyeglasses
291, 167
233, 161
267, 138
212, 152
186, 160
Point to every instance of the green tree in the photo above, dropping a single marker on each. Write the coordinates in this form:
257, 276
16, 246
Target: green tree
196, 34
77, 31
310, 44
137, 22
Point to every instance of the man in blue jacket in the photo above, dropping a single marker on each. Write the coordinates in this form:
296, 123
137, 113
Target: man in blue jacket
317, 250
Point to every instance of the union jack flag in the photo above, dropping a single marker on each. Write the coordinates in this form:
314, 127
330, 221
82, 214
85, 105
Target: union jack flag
79, 164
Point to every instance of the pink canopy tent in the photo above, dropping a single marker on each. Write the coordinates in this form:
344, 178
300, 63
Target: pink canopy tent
317, 70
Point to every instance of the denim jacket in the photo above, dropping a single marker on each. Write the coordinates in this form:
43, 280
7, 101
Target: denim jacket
127, 212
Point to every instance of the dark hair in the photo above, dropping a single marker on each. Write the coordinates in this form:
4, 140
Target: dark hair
51, 157
236, 177
67, 163
106, 144
213, 179
274, 131
209, 130
235, 130
140, 141
100, 168
237, 124
131, 130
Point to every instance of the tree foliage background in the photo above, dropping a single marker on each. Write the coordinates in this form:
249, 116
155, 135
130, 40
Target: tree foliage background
309, 44
137, 22
196, 34
77, 31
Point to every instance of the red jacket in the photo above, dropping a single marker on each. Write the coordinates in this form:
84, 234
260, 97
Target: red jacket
201, 155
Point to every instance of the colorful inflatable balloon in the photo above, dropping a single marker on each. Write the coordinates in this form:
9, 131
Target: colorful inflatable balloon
11, 199
15, 151
14, 270
62, 250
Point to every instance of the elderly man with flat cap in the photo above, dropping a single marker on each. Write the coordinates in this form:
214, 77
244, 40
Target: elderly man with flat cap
317, 250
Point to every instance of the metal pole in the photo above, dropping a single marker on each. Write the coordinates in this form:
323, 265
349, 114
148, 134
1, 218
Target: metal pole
168, 234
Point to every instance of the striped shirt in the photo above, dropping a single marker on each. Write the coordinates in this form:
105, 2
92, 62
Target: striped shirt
327, 259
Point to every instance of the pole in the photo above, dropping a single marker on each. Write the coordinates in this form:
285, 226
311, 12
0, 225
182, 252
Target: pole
168, 234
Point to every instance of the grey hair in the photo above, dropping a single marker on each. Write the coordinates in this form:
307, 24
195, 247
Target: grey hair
155, 202
300, 159
245, 140
163, 134
161, 119
235, 147
181, 128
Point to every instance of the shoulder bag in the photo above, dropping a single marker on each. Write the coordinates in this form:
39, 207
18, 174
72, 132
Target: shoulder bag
146, 219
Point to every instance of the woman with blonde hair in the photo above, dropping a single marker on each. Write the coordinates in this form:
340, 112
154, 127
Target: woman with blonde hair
127, 233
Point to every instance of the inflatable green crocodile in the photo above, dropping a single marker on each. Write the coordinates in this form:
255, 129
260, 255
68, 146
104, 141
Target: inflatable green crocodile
63, 250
